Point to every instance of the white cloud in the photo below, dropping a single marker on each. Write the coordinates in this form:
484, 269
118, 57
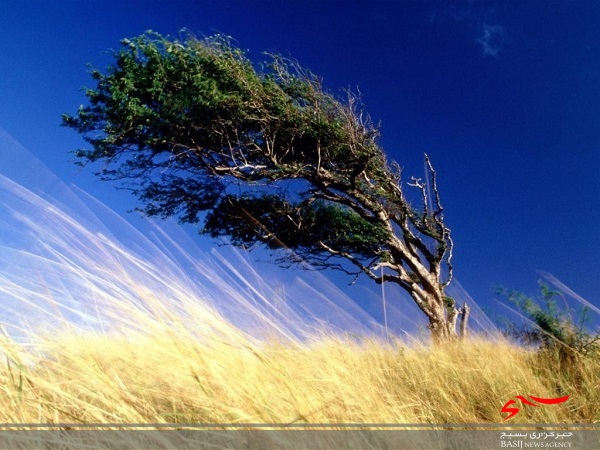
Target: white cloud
477, 17
491, 38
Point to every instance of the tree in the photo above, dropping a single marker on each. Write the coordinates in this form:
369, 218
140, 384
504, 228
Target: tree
266, 157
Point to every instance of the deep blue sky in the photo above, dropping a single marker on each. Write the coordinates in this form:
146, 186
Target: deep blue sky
503, 96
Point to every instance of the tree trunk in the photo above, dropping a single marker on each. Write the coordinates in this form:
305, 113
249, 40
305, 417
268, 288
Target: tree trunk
443, 317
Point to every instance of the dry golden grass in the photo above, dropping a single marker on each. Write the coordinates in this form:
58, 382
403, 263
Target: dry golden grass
167, 377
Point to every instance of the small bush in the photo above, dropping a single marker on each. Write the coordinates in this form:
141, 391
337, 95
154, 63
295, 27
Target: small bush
551, 326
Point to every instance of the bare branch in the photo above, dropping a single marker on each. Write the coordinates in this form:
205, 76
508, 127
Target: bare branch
433, 175
416, 182
352, 259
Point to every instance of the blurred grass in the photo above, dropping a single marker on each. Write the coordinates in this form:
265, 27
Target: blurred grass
166, 377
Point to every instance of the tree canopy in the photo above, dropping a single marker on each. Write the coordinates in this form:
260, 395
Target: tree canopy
266, 156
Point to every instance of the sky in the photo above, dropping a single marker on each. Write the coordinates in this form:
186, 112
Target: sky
503, 96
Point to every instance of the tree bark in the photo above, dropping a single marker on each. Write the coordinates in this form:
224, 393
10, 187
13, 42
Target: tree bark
443, 319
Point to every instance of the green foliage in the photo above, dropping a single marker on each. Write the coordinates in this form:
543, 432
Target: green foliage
187, 101
553, 327
251, 219
449, 302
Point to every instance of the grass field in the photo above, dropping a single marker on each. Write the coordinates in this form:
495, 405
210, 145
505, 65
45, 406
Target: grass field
167, 374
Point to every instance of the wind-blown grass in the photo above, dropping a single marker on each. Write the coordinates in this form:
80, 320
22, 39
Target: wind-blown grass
100, 330
168, 376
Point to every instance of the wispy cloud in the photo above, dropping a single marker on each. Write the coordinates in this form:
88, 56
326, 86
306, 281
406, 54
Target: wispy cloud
487, 33
491, 39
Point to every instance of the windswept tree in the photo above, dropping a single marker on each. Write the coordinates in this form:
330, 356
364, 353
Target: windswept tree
267, 157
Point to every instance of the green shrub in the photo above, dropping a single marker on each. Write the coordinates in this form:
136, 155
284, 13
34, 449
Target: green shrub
552, 326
